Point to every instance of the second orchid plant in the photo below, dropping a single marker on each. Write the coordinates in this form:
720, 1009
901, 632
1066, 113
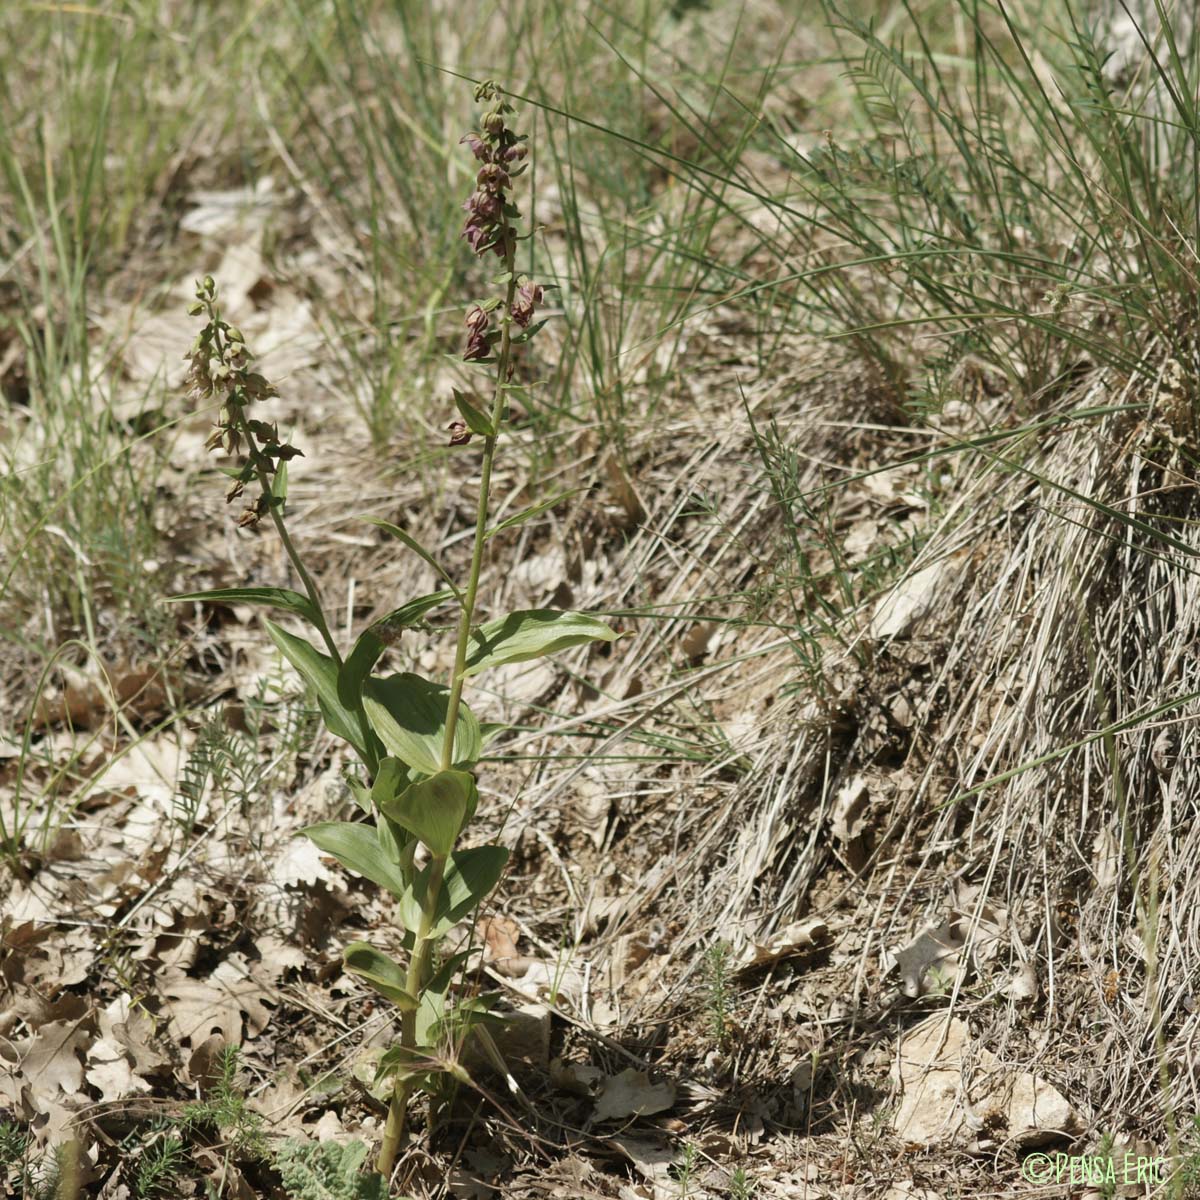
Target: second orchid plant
417, 742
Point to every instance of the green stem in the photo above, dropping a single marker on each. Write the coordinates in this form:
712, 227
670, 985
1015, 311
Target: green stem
418, 963
310, 587
260, 469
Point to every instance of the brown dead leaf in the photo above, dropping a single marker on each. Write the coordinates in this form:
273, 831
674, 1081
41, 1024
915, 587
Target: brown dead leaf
86, 703
110, 1070
197, 1007
797, 938
631, 1094
500, 936
130, 1028
580, 1079
51, 1059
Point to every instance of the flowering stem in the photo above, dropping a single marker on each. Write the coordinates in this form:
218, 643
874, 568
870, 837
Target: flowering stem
418, 963
310, 587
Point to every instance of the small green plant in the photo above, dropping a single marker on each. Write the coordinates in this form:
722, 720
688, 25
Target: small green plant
327, 1171
686, 1169
718, 999
162, 1161
1104, 1152
224, 1108
52, 1176
741, 1186
417, 741
1186, 1183
230, 760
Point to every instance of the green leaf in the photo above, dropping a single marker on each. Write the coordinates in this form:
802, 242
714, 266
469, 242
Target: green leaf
411, 613
375, 968
357, 667
360, 792
535, 511
530, 634
526, 334
411, 542
469, 876
357, 847
327, 1171
435, 809
491, 730
477, 422
375, 638
409, 715
391, 779
279, 485
396, 842
269, 597
322, 673
432, 1011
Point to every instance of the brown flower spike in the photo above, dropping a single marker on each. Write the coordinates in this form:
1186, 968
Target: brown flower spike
489, 227
220, 366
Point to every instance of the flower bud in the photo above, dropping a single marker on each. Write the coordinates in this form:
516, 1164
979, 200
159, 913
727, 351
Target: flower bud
493, 123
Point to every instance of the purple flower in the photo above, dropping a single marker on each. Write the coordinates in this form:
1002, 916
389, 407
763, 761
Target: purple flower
478, 343
460, 435
492, 177
529, 295
485, 205
477, 235
515, 153
479, 147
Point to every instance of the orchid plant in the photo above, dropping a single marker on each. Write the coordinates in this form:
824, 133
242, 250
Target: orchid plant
417, 742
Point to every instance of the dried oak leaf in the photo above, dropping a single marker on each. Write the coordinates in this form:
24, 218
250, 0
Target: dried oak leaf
197, 1007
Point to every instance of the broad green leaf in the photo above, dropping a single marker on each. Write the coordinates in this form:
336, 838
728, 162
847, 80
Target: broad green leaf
535, 510
411, 542
489, 731
357, 667
269, 597
361, 793
433, 1000
435, 809
469, 879
321, 671
465, 1017
409, 715
399, 1062
396, 842
375, 968
374, 639
357, 847
531, 634
476, 421
391, 779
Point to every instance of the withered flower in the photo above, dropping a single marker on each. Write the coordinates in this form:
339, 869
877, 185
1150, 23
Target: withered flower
529, 295
479, 343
